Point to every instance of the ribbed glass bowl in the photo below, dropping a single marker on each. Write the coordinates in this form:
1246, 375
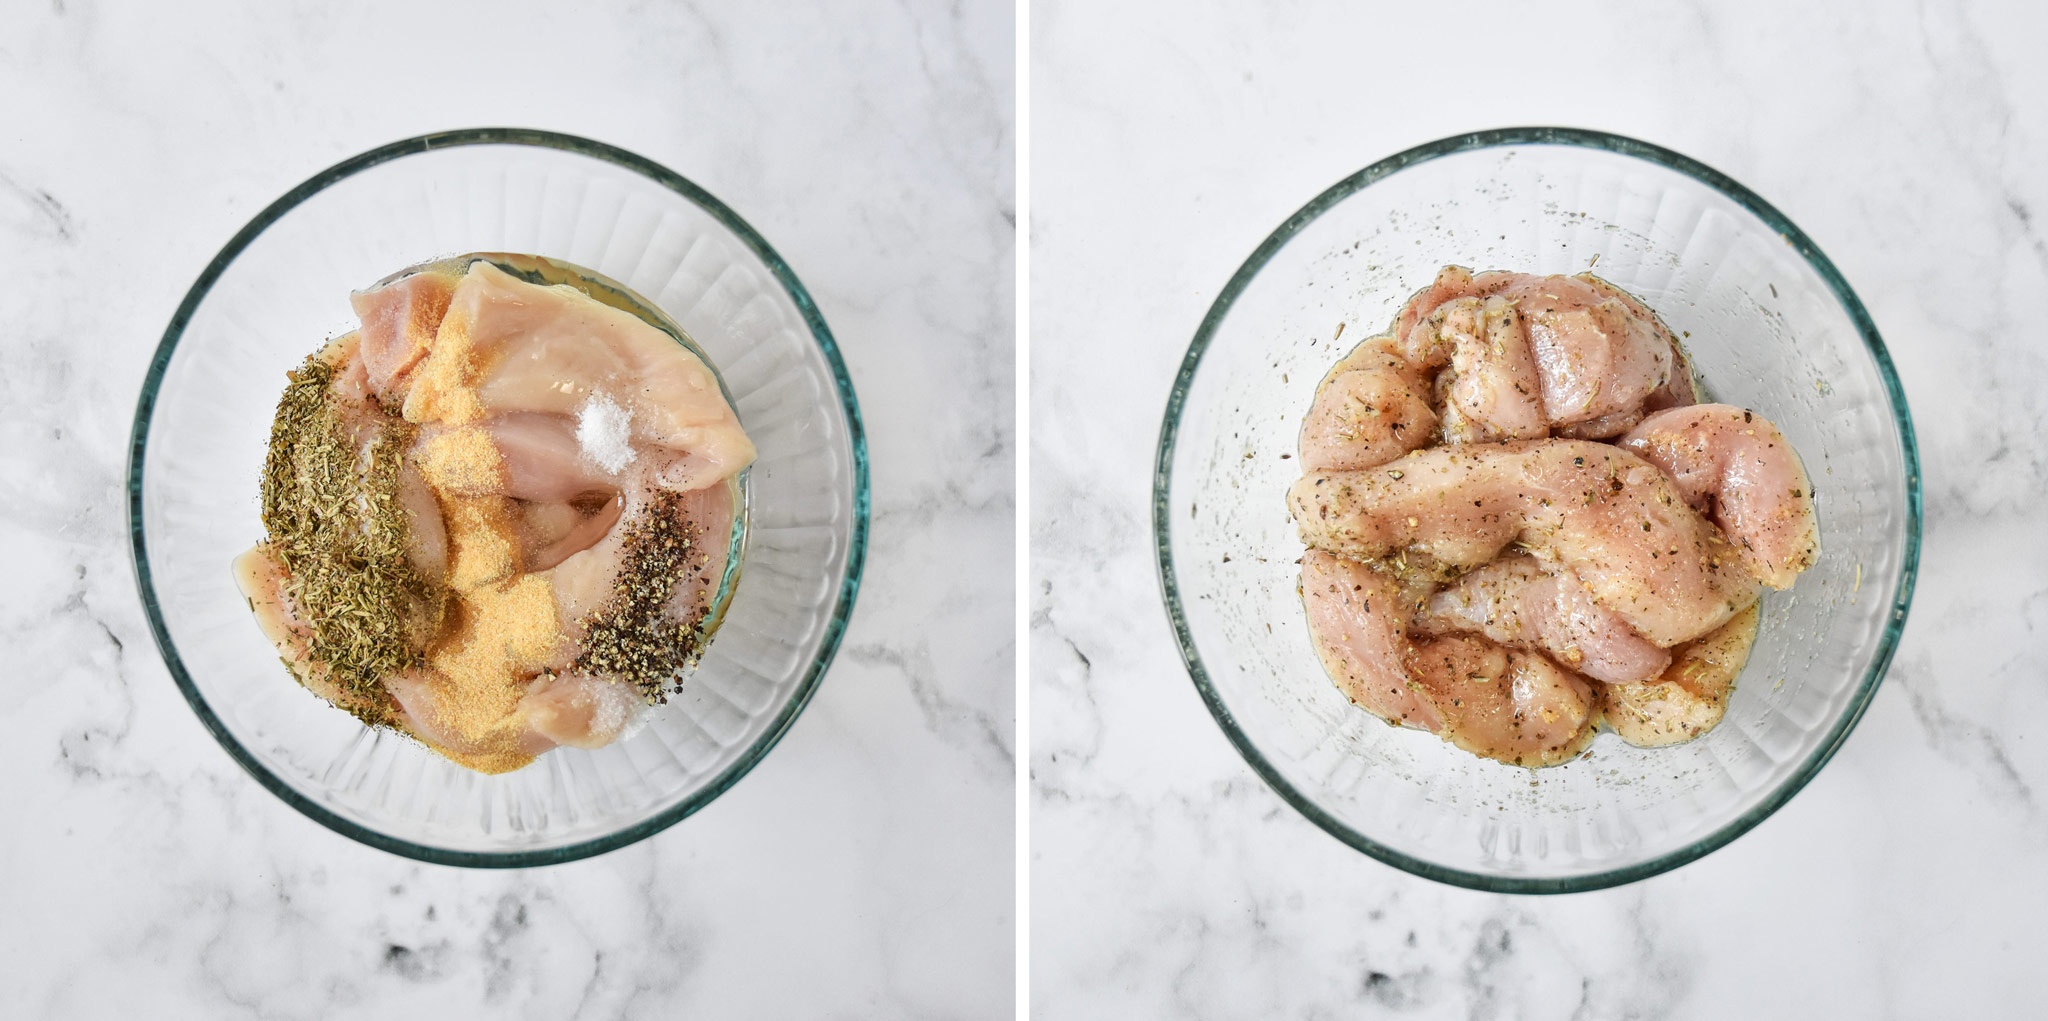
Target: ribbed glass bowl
280, 288
1770, 325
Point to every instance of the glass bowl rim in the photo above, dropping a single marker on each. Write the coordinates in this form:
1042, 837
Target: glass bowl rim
1162, 478
856, 545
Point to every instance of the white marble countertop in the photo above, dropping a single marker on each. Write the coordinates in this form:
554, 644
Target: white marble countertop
1908, 879
864, 869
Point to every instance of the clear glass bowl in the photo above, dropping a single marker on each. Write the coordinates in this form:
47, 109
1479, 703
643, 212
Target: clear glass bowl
1771, 325
281, 287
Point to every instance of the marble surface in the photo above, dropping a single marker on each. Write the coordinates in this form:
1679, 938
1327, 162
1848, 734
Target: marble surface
865, 869
1907, 880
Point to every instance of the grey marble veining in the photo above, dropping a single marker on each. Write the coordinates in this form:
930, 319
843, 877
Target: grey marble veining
864, 869
1906, 880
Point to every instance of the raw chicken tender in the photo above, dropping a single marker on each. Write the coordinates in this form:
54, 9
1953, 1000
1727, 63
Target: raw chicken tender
1368, 416
1492, 701
1359, 618
1612, 519
261, 580
1738, 469
1493, 389
1677, 391
1519, 601
1690, 697
1505, 704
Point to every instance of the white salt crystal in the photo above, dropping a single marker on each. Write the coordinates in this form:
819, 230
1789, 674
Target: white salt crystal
617, 704
603, 430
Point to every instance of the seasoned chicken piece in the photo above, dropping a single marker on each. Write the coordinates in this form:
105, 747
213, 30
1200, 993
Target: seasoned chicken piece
1521, 602
510, 346
1467, 339
1492, 390
1364, 417
1737, 468
1512, 706
1678, 391
1504, 704
1451, 283
1358, 618
1609, 517
352, 436
1598, 359
1530, 354
399, 320
428, 704
262, 582
1688, 699
427, 540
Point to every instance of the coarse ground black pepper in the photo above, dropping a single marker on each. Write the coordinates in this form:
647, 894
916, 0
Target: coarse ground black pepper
632, 637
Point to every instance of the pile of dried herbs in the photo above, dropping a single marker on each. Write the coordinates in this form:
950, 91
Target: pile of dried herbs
632, 637
337, 529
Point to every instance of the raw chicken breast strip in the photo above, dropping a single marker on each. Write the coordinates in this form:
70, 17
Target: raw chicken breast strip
1521, 602
1737, 468
1367, 415
1678, 391
1690, 697
1513, 706
1614, 520
1493, 389
1359, 619
1505, 704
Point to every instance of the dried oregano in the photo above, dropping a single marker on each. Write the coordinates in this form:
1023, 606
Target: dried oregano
336, 527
